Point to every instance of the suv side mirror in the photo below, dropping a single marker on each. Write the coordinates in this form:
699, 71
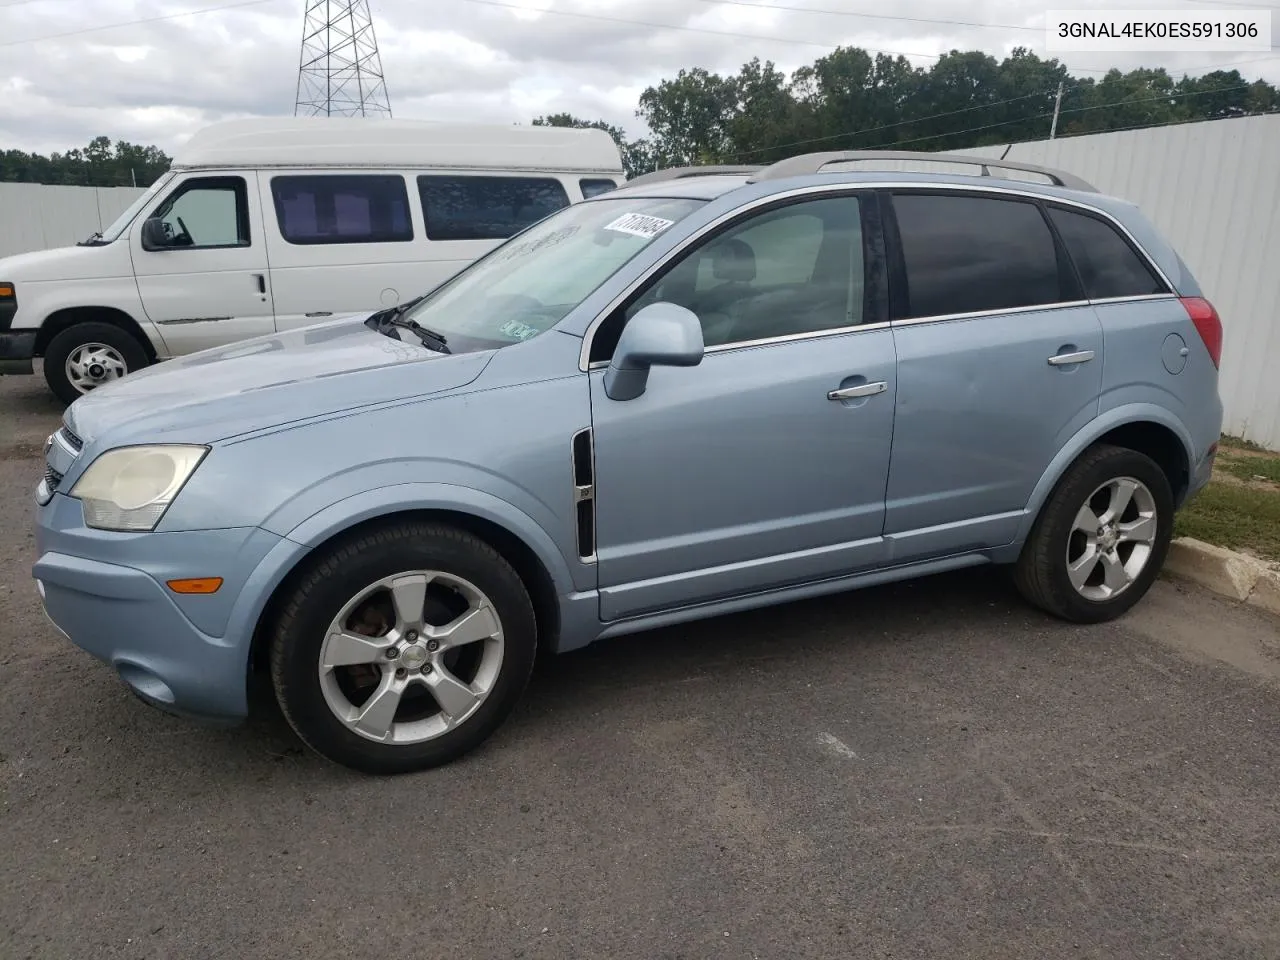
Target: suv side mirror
154, 236
660, 335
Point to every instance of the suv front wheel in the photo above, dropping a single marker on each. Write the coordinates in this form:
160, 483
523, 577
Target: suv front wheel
403, 648
1101, 539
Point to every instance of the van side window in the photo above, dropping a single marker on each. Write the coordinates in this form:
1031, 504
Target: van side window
1108, 265
342, 208
593, 188
486, 208
206, 213
966, 254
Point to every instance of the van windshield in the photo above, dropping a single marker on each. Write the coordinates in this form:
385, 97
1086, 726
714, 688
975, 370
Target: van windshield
121, 222
528, 285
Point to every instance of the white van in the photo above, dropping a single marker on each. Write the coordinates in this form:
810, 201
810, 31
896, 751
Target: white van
265, 225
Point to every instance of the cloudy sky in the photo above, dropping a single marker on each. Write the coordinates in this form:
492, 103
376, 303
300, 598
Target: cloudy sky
73, 69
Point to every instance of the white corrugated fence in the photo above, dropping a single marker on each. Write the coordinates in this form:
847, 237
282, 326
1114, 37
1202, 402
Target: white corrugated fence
36, 216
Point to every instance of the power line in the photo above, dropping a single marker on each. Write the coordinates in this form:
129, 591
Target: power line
888, 126
133, 23
723, 33
1235, 3
1039, 116
687, 29
1163, 123
873, 16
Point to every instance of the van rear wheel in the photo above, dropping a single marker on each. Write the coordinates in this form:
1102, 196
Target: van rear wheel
85, 356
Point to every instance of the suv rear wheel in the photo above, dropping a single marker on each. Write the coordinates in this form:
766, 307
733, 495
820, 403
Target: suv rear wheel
87, 355
403, 648
1101, 539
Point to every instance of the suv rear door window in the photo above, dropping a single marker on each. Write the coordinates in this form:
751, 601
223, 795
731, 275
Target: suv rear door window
1108, 265
966, 254
486, 208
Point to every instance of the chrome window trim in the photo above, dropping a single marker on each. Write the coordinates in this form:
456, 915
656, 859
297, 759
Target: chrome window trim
584, 353
793, 337
1136, 298
1004, 311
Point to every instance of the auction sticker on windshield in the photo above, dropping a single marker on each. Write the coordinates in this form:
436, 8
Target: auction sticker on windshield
639, 225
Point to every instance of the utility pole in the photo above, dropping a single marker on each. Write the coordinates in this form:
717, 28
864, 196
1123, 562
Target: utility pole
1057, 106
340, 70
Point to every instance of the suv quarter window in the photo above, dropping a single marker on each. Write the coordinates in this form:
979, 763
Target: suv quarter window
1106, 261
206, 213
973, 253
795, 268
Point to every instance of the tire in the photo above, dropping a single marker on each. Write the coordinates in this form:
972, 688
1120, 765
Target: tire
118, 353
1115, 565
312, 691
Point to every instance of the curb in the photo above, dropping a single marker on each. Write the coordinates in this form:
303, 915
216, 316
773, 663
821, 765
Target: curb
1237, 576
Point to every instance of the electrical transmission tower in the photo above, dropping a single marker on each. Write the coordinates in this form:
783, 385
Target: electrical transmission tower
340, 72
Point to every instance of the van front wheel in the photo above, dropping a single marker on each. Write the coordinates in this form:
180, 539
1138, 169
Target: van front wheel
87, 355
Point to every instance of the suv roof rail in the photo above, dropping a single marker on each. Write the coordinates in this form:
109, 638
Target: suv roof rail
680, 173
814, 162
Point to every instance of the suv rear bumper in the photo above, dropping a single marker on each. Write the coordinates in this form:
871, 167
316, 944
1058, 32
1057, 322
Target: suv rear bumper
17, 347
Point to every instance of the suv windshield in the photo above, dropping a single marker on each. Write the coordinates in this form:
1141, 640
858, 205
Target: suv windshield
126, 218
527, 285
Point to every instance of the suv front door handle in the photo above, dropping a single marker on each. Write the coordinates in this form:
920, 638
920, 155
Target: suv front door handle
861, 390
1063, 359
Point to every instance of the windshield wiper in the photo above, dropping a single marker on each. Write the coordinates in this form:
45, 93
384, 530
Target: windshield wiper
93, 240
393, 317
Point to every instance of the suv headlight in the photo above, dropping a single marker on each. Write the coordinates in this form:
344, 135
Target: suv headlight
129, 488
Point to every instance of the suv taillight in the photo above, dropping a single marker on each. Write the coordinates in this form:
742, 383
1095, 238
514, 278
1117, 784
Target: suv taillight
1208, 325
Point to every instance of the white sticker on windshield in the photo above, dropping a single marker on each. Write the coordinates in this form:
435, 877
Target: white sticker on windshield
518, 330
639, 225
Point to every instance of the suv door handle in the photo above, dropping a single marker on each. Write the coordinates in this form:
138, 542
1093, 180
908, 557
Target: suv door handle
861, 390
261, 280
1063, 359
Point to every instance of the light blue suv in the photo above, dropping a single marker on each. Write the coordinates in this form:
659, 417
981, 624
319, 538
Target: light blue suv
705, 392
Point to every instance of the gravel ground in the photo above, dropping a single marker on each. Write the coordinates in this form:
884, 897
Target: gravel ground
925, 770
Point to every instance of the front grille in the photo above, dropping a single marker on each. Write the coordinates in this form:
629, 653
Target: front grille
73, 441
52, 478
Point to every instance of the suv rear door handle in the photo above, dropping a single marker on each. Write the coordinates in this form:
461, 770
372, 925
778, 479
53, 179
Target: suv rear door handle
1062, 359
861, 390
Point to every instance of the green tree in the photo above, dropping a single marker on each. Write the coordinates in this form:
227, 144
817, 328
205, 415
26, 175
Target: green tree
850, 99
99, 164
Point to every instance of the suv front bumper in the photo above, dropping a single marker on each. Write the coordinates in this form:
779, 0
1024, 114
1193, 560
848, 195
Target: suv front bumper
186, 654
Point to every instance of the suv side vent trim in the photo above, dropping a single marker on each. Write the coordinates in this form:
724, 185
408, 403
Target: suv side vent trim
584, 494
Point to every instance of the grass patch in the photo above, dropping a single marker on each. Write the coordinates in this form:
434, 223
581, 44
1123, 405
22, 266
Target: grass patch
1239, 443
1234, 516
1251, 468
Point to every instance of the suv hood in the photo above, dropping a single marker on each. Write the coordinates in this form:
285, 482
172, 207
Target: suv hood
68, 263
268, 381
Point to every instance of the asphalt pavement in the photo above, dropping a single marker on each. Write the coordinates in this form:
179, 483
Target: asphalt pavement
927, 770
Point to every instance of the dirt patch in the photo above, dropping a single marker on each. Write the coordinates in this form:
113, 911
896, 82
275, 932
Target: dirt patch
22, 451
